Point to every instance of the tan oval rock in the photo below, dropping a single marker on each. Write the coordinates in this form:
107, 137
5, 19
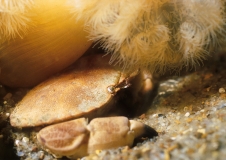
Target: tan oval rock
76, 92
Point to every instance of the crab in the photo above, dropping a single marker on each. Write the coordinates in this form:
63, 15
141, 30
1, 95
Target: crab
86, 89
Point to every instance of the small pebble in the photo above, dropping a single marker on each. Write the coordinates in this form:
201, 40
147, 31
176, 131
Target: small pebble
221, 90
41, 155
7, 114
187, 114
17, 142
173, 138
25, 139
162, 93
201, 130
20, 153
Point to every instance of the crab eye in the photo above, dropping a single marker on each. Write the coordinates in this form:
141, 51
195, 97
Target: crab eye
111, 89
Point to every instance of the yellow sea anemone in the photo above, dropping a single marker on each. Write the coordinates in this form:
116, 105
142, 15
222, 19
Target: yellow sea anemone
37, 39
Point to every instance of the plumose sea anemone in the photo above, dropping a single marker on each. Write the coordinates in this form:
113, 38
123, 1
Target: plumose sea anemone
147, 34
152, 34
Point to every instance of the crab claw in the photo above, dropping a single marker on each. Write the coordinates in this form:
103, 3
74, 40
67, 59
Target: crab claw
76, 139
142, 130
111, 132
65, 139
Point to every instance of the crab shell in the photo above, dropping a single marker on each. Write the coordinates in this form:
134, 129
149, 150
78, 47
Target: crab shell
49, 40
85, 87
